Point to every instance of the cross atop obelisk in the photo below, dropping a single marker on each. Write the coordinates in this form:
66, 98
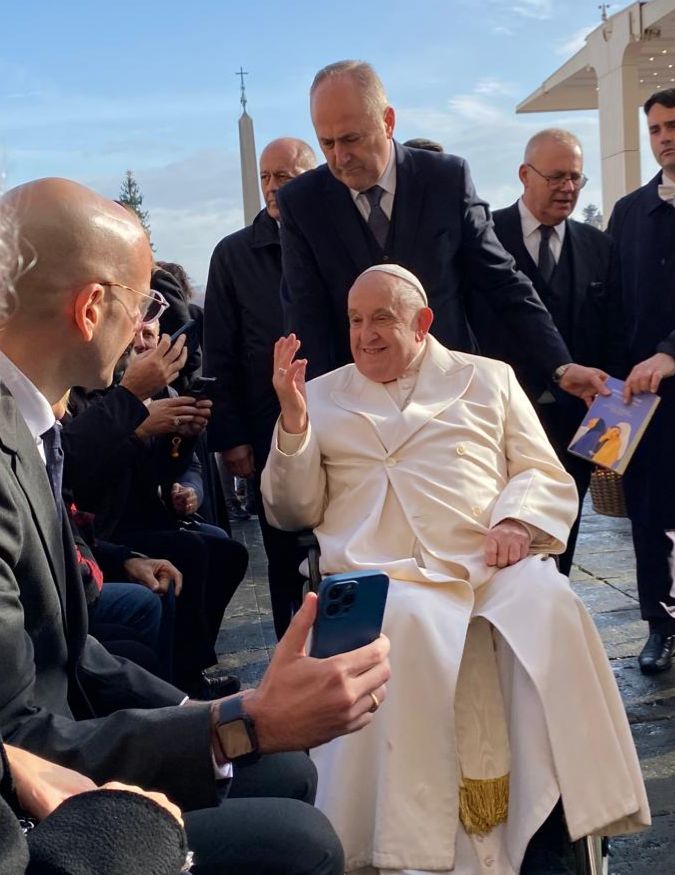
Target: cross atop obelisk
241, 73
249, 162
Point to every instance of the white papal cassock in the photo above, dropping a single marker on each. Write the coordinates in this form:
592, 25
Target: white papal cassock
414, 492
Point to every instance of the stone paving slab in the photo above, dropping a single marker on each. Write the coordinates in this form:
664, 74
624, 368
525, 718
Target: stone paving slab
604, 578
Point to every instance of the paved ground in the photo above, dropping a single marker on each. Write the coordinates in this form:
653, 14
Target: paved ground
604, 577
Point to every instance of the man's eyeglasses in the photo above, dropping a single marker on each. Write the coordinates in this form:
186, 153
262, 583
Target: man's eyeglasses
560, 180
155, 303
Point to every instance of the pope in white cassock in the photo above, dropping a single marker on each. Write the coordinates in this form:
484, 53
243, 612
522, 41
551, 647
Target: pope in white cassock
431, 465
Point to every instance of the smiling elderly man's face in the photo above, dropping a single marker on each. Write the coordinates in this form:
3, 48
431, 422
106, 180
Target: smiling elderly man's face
385, 332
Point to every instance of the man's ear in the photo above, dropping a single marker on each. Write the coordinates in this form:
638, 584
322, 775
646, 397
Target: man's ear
389, 121
87, 309
424, 319
522, 173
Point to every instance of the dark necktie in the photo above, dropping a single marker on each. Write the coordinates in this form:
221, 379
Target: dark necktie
51, 440
546, 263
377, 220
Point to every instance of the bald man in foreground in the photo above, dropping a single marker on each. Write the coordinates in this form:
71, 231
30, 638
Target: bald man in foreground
79, 301
242, 320
431, 465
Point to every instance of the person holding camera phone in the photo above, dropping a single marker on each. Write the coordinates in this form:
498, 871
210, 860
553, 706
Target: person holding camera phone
69, 314
431, 466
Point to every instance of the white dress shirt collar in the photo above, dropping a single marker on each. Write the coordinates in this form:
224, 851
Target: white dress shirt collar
32, 404
531, 224
387, 182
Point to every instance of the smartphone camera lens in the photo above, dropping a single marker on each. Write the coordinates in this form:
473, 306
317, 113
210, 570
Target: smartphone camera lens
332, 608
348, 599
334, 592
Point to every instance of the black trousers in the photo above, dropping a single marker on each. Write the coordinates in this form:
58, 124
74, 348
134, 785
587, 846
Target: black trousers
212, 566
266, 825
652, 561
560, 425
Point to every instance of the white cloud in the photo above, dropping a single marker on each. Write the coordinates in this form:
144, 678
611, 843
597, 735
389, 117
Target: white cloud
539, 9
571, 44
492, 87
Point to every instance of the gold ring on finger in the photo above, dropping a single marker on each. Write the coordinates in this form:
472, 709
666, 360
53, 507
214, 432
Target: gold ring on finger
282, 370
376, 703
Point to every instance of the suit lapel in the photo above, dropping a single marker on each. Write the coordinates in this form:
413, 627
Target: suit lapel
347, 222
31, 476
509, 229
443, 375
408, 201
582, 259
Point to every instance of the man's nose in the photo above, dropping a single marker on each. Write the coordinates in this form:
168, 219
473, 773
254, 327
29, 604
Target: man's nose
342, 154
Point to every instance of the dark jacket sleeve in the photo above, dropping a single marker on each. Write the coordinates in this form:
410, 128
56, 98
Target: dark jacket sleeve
490, 268
305, 299
223, 355
93, 436
107, 832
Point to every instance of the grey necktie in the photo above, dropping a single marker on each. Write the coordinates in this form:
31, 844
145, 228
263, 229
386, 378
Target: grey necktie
546, 262
377, 220
51, 440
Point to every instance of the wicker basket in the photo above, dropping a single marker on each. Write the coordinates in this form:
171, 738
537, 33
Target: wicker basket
607, 493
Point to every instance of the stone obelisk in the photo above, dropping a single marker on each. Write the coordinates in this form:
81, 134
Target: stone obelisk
249, 161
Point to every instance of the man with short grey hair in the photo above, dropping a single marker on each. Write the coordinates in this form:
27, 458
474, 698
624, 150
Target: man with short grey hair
376, 201
242, 320
568, 264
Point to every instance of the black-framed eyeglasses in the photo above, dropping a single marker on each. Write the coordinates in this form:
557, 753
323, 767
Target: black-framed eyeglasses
560, 180
154, 306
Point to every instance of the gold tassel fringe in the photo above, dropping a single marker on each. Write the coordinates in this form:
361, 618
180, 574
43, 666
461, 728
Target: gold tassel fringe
483, 803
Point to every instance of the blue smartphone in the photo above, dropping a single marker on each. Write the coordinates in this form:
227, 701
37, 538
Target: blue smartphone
350, 612
182, 330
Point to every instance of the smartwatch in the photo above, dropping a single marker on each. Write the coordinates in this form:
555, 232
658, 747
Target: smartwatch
559, 372
236, 731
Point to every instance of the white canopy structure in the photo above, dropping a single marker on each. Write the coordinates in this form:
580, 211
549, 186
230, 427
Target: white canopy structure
625, 60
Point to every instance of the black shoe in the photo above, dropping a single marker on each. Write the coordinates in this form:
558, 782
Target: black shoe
657, 654
215, 683
235, 511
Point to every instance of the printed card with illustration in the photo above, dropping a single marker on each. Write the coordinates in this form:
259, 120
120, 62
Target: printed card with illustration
611, 430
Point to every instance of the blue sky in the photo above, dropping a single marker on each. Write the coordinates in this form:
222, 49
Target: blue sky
88, 90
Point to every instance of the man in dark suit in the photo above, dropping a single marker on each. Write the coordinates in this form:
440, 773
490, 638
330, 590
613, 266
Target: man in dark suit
567, 262
642, 227
377, 201
243, 321
61, 693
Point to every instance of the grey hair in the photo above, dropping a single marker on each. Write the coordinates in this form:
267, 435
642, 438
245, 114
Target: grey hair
364, 76
408, 297
555, 135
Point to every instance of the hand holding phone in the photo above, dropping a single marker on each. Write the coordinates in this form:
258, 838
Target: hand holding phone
350, 612
183, 330
203, 387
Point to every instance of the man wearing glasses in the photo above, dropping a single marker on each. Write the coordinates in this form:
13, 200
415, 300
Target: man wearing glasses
72, 315
567, 262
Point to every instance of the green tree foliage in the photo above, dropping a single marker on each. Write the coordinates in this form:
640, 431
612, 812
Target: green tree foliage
130, 196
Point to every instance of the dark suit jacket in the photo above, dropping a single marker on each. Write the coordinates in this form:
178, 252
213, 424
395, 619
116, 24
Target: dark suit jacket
62, 695
122, 478
242, 322
592, 339
642, 283
440, 230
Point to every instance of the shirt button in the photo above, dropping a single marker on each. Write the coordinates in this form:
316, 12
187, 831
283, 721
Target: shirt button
476, 511
461, 450
390, 462
489, 861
